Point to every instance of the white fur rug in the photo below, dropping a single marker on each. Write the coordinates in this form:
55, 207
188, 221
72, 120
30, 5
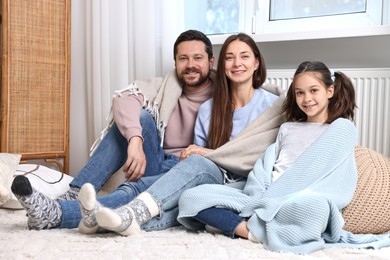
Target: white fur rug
17, 242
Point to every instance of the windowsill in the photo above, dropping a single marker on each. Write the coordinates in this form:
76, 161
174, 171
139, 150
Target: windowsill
311, 35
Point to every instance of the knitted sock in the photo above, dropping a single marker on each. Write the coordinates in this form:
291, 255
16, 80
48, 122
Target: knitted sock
88, 206
42, 212
150, 203
71, 194
127, 220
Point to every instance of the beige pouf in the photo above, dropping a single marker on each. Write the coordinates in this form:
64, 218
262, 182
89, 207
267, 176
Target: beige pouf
369, 210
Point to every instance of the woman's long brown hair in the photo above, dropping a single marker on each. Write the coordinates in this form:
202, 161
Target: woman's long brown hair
221, 121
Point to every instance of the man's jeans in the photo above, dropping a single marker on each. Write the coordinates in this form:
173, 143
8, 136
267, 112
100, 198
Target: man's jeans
108, 158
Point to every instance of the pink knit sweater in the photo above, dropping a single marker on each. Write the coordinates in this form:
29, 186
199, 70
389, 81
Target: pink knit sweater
179, 132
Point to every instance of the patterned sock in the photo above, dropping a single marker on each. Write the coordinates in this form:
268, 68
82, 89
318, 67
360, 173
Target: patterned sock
127, 220
42, 212
88, 206
71, 194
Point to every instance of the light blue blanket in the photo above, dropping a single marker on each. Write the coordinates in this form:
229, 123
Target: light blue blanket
301, 211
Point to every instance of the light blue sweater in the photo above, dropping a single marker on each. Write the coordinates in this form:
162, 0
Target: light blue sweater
242, 117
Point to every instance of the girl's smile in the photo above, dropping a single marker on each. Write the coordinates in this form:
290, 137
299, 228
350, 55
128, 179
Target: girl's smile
312, 96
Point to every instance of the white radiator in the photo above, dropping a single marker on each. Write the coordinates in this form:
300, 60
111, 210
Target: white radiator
372, 117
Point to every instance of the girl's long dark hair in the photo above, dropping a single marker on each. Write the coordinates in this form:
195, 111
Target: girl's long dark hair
342, 104
221, 121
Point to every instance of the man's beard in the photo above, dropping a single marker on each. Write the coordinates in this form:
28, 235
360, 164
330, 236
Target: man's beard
198, 83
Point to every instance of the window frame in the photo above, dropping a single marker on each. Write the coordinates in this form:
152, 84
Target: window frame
372, 17
254, 20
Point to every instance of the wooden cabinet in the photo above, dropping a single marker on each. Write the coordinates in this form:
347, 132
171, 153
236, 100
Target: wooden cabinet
35, 79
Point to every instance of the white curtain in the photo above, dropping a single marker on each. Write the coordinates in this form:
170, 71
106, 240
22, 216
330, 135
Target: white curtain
126, 40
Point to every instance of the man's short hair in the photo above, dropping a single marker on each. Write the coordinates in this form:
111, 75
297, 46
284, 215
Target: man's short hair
194, 35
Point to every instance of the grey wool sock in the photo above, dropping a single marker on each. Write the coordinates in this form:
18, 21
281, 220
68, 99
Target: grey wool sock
42, 212
127, 220
71, 194
88, 206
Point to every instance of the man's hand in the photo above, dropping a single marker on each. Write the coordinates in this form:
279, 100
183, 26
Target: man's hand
135, 165
194, 149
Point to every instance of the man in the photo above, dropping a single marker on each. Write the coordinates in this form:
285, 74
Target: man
153, 121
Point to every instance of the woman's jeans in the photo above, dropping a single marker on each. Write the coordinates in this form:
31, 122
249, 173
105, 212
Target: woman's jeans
189, 173
108, 158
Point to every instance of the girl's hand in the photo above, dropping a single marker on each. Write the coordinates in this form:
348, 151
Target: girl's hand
194, 149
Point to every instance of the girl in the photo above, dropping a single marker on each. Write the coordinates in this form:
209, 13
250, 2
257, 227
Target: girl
239, 100
295, 192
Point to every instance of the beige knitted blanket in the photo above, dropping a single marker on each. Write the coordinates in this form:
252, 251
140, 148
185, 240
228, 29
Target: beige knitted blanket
240, 154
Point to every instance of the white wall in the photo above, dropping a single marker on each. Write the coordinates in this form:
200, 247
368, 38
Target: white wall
356, 52
351, 52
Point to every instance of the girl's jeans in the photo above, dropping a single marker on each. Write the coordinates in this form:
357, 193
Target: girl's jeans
108, 158
222, 219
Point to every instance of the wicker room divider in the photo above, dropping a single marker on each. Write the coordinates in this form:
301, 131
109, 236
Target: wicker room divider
35, 80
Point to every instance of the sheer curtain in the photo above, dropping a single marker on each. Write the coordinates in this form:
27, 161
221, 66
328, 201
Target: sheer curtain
126, 40
114, 42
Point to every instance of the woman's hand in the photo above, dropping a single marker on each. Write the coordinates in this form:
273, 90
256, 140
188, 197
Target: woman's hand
194, 149
135, 165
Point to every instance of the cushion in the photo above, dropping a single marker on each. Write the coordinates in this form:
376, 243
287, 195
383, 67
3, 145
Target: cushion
50, 182
368, 212
8, 164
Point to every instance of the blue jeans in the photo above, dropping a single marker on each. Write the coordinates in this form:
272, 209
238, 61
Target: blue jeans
189, 173
111, 154
108, 158
223, 219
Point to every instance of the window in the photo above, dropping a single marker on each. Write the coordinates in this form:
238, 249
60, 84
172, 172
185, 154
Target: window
283, 16
212, 16
290, 9
286, 19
